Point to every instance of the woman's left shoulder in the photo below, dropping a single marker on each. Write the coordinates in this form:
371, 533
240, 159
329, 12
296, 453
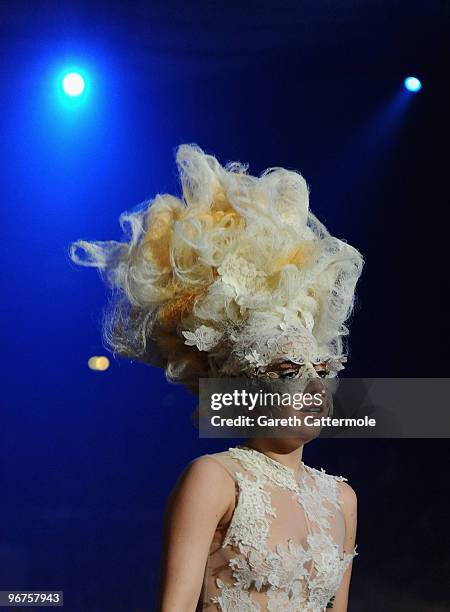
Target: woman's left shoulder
348, 497
343, 491
325, 477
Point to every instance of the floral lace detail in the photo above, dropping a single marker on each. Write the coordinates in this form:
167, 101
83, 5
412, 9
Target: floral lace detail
267, 568
204, 338
326, 485
266, 468
326, 559
291, 599
283, 337
293, 577
232, 599
313, 499
282, 476
254, 504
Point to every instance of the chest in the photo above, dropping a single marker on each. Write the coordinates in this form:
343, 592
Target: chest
283, 546
299, 527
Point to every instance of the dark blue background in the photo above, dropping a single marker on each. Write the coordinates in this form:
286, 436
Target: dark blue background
87, 459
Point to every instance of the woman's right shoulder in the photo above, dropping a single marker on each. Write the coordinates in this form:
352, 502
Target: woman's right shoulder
215, 472
205, 481
210, 467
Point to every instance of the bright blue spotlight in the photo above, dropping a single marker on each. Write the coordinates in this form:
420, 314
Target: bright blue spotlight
73, 84
413, 84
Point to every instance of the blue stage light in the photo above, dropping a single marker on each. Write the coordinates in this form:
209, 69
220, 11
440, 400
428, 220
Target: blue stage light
73, 84
413, 84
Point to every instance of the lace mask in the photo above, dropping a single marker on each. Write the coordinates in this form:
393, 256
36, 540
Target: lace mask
285, 351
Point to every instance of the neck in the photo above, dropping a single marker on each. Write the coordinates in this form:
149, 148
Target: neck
288, 451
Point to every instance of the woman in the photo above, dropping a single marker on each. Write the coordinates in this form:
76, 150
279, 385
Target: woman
239, 278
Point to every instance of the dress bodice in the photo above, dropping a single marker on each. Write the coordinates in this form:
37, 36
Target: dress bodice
283, 548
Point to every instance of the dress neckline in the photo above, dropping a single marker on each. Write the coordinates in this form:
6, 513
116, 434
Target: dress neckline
276, 471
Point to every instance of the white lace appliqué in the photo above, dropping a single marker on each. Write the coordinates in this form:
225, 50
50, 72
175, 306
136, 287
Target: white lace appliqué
254, 502
204, 338
293, 577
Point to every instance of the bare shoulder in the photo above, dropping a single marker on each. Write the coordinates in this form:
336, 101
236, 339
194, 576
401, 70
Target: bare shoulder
206, 469
204, 480
349, 499
347, 492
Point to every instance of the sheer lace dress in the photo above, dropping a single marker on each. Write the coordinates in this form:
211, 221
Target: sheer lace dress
283, 549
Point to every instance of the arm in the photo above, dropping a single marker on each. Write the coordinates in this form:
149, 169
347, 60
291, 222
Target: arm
348, 495
202, 496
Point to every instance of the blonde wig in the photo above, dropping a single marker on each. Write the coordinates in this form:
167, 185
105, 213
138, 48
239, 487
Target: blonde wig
235, 274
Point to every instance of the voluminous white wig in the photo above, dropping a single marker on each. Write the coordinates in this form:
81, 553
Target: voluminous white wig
233, 275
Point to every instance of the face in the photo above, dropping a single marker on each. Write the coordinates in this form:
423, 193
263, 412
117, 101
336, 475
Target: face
299, 380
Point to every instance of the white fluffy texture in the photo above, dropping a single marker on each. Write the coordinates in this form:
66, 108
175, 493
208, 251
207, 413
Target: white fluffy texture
234, 275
